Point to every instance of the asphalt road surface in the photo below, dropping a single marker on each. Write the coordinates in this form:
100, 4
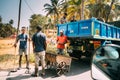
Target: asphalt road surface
80, 70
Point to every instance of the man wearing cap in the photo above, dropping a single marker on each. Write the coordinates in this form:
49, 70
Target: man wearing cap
61, 41
23, 38
39, 47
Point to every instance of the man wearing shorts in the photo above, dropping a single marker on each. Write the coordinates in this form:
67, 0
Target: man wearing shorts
39, 47
22, 38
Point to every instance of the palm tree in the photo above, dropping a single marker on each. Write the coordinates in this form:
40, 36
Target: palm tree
52, 9
78, 9
82, 9
101, 9
37, 19
64, 6
109, 10
74, 8
114, 10
117, 10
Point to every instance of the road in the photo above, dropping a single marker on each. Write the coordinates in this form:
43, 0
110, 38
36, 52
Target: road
80, 70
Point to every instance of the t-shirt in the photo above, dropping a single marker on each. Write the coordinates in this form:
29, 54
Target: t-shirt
39, 40
61, 39
23, 41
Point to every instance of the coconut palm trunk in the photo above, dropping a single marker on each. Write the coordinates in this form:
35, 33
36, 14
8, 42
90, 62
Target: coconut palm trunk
54, 21
109, 10
82, 10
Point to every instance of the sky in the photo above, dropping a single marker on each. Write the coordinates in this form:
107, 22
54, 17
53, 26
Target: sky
9, 10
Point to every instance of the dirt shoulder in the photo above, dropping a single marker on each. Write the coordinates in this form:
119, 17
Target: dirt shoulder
6, 46
7, 52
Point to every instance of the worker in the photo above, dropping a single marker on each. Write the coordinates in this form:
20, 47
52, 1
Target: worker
61, 41
23, 38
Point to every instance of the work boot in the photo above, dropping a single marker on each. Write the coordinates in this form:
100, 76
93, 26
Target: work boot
36, 73
43, 72
27, 66
27, 62
19, 68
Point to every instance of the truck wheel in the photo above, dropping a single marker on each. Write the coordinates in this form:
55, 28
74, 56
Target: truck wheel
79, 58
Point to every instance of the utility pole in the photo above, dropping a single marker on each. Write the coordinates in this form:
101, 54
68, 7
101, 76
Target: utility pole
19, 14
14, 69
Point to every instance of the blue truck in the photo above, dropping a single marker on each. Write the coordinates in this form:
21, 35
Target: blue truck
86, 35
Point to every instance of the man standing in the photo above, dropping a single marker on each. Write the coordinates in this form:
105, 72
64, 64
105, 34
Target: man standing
39, 47
63, 19
73, 19
23, 37
61, 41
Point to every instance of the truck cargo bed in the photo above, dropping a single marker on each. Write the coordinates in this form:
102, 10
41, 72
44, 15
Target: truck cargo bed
91, 28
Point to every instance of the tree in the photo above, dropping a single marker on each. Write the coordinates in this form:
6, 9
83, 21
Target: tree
117, 10
78, 9
114, 7
83, 9
11, 22
74, 8
49, 24
36, 19
101, 9
108, 13
6, 30
64, 5
53, 9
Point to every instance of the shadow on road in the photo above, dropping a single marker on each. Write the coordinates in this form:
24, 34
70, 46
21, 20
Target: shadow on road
19, 77
77, 67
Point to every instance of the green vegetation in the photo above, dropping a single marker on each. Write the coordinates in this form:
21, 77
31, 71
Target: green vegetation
6, 57
51, 48
108, 10
6, 29
36, 19
10, 57
31, 58
53, 9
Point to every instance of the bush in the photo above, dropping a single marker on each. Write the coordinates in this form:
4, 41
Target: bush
31, 58
6, 57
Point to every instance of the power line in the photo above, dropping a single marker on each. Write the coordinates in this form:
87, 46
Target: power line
29, 6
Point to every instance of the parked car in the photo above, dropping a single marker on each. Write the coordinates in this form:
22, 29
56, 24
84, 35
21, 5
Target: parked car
106, 63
